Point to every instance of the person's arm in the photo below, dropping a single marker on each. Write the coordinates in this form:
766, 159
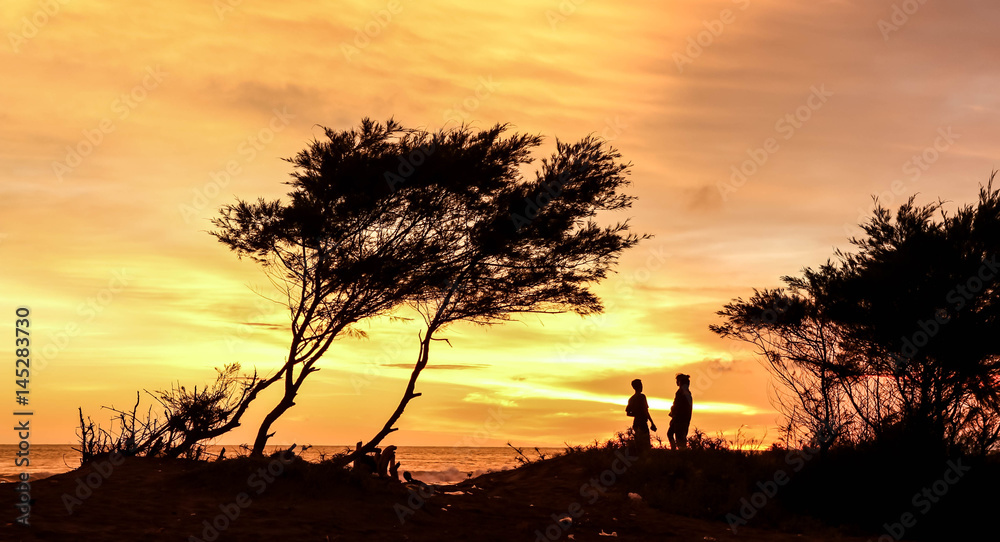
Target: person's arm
650, 417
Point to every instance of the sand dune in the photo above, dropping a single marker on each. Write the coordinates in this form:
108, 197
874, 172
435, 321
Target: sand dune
268, 499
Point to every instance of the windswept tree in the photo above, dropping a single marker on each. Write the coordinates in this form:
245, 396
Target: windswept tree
920, 297
526, 245
348, 244
802, 350
381, 216
901, 331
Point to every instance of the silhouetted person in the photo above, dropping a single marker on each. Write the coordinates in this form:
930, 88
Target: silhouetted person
638, 409
680, 413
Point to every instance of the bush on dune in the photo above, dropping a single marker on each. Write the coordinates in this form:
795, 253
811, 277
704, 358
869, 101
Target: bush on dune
857, 490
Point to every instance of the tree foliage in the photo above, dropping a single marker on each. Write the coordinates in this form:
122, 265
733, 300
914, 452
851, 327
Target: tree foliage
896, 339
382, 216
529, 246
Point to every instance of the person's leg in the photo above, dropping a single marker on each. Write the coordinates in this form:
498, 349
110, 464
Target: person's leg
633, 444
640, 437
682, 435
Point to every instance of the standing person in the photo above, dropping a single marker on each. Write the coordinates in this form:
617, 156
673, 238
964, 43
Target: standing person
680, 413
638, 409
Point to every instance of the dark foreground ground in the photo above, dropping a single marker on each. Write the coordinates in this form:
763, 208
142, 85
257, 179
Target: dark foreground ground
153, 499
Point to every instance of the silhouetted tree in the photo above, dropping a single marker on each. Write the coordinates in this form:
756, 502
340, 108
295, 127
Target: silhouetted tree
383, 215
358, 235
802, 349
524, 246
919, 298
910, 320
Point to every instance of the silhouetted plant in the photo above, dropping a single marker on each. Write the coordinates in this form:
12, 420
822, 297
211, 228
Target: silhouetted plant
895, 342
523, 459
381, 216
354, 239
800, 347
698, 440
517, 245
190, 418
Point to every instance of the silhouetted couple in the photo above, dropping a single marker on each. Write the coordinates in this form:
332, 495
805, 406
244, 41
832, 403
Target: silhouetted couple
680, 415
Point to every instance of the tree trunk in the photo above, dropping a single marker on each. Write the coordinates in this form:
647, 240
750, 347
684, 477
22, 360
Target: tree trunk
433, 325
262, 433
287, 402
425, 347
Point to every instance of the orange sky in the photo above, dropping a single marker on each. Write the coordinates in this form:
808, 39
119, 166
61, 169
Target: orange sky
127, 290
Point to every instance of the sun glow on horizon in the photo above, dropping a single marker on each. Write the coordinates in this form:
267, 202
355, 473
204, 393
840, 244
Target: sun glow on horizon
174, 112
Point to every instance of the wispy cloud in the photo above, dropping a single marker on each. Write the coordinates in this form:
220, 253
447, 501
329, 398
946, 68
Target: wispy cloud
606, 61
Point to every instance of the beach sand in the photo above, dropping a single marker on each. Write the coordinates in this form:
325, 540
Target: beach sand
156, 499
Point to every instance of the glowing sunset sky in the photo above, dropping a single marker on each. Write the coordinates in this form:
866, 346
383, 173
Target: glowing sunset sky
129, 292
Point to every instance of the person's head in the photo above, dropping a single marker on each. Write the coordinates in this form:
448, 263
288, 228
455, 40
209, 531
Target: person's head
637, 385
683, 380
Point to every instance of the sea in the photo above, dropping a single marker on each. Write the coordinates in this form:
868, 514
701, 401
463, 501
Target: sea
431, 464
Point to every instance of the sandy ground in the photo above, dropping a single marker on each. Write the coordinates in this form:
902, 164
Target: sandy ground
150, 499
